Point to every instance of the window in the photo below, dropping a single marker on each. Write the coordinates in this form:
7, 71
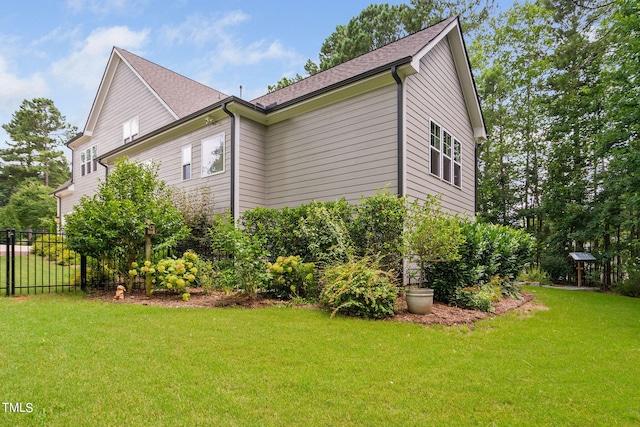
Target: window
89, 160
186, 163
213, 155
457, 164
446, 156
435, 149
130, 130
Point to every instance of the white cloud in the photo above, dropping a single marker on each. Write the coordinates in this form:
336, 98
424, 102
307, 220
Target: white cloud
216, 35
199, 30
14, 89
85, 65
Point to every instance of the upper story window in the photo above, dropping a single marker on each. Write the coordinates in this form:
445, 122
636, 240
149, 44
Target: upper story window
434, 154
213, 155
89, 160
186, 162
130, 130
457, 163
445, 153
446, 156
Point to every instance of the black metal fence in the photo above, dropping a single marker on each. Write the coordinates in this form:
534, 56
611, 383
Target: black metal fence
36, 262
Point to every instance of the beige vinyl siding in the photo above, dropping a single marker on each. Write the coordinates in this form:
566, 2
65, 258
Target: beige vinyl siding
435, 94
127, 98
346, 149
252, 153
169, 156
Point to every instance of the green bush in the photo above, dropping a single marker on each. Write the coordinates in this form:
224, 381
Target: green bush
67, 257
535, 274
48, 245
359, 288
489, 250
478, 297
556, 266
175, 275
326, 236
289, 277
631, 286
240, 258
376, 228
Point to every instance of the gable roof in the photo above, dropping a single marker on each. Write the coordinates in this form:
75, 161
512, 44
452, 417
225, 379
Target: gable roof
181, 94
402, 50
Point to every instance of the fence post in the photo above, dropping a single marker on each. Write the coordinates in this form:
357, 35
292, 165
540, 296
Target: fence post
7, 264
11, 255
83, 273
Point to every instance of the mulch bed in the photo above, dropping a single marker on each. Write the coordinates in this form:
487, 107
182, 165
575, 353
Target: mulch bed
440, 314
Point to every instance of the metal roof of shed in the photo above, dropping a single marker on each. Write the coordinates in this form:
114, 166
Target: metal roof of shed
581, 256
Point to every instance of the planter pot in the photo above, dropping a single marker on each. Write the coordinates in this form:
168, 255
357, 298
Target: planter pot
419, 301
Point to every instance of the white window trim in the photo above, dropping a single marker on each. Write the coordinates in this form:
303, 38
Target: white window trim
444, 156
89, 160
216, 138
130, 130
433, 148
457, 162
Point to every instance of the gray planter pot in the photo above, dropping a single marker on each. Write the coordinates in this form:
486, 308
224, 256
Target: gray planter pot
419, 301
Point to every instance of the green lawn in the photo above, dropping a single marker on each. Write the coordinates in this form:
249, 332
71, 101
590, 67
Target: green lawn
35, 271
83, 362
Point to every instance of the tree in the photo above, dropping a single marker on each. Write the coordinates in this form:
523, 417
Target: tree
112, 222
31, 207
37, 130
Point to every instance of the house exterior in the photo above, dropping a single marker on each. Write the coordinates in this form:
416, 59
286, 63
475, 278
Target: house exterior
405, 116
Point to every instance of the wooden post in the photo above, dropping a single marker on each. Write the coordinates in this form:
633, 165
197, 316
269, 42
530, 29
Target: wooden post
579, 273
149, 231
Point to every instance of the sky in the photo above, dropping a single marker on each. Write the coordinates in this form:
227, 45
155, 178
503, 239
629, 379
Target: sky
58, 49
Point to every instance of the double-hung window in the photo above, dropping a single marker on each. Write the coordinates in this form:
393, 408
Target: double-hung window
186, 162
434, 154
446, 156
130, 130
457, 163
89, 160
213, 155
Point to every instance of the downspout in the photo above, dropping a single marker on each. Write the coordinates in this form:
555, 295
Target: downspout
106, 169
233, 159
475, 192
400, 131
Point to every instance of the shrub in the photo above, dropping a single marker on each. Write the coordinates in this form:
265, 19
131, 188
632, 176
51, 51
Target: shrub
289, 277
489, 250
48, 245
430, 236
359, 288
477, 297
534, 274
240, 256
376, 228
631, 286
556, 266
67, 257
175, 275
325, 234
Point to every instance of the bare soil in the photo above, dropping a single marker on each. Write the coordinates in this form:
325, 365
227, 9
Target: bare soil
440, 314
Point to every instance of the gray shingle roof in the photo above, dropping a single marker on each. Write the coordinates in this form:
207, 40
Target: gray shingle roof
406, 47
183, 95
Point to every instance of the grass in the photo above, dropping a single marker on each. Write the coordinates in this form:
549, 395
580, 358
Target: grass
34, 272
83, 362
